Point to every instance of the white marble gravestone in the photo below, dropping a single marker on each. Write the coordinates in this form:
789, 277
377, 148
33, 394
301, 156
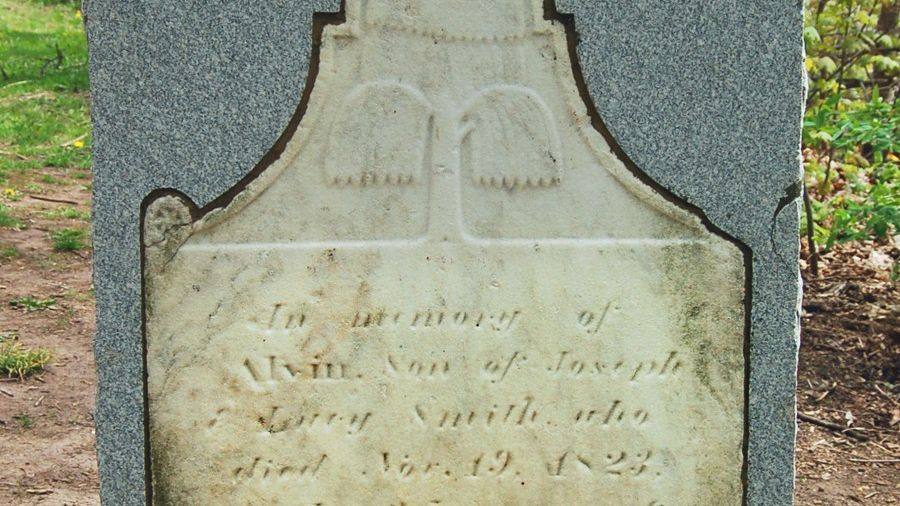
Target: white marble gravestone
446, 291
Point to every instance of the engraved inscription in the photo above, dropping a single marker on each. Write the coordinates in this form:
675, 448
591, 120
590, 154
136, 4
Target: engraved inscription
446, 290
266, 470
273, 369
496, 321
417, 369
279, 317
501, 416
570, 365
279, 420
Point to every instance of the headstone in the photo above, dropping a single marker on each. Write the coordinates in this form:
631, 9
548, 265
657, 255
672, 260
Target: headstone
448, 280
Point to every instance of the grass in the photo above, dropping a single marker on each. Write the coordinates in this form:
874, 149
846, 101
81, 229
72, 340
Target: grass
18, 361
68, 239
10, 252
26, 421
69, 213
7, 220
30, 304
48, 179
44, 99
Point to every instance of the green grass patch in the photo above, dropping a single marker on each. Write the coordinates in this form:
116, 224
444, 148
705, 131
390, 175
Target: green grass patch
69, 213
25, 420
44, 106
68, 239
48, 179
30, 303
18, 361
10, 252
7, 220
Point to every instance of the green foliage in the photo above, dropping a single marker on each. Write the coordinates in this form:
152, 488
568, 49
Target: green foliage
16, 360
851, 127
851, 45
847, 125
872, 214
68, 239
852, 167
30, 304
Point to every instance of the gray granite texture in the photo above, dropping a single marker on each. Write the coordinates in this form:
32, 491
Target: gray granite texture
704, 96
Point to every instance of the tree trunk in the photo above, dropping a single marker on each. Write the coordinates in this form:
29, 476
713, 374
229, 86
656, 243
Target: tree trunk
887, 23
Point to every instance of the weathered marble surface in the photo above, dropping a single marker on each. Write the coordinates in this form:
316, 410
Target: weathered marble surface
446, 291
196, 140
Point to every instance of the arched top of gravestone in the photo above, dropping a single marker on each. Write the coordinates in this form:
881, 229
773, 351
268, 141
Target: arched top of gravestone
439, 121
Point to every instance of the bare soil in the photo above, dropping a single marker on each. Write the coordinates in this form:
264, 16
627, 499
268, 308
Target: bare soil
849, 368
46, 421
849, 373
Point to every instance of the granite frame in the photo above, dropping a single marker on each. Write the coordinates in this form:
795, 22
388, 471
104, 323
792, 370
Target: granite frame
704, 96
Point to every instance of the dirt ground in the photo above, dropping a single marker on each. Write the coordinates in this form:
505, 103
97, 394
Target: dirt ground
849, 374
849, 369
46, 421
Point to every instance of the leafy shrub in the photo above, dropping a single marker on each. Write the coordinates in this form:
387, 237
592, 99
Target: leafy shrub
851, 46
852, 169
852, 122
